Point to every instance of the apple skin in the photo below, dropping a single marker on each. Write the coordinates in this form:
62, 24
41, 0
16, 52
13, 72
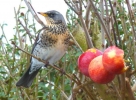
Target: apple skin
98, 73
85, 59
113, 60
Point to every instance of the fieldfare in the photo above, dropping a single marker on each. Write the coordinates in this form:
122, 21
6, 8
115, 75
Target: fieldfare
50, 45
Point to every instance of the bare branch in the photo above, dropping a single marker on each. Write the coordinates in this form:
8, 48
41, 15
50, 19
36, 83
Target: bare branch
75, 41
118, 34
102, 30
71, 7
33, 13
80, 6
17, 30
88, 38
100, 19
3, 33
45, 62
87, 16
83, 3
131, 17
117, 91
26, 29
123, 86
129, 90
78, 11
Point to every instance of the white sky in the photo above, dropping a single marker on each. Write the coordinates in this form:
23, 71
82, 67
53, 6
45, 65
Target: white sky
7, 11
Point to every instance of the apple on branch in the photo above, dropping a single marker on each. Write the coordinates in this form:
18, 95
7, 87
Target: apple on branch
98, 73
85, 59
113, 60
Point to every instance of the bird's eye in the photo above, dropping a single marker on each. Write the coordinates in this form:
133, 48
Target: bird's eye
51, 15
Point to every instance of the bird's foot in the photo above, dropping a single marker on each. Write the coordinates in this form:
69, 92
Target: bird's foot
46, 63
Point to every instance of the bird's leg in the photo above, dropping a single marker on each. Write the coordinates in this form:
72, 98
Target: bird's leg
61, 70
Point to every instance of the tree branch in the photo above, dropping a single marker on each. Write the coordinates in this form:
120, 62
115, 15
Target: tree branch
87, 16
118, 34
71, 6
100, 19
78, 11
26, 29
45, 62
129, 90
33, 13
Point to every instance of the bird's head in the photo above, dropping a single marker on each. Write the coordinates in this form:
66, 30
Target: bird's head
53, 17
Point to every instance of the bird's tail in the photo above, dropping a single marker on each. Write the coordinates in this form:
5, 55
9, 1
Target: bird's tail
27, 79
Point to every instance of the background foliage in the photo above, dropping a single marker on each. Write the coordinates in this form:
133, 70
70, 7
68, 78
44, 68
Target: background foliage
109, 22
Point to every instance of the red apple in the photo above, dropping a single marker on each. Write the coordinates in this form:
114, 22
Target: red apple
98, 73
113, 60
85, 59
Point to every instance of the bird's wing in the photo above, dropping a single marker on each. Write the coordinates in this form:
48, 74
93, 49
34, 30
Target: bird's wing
27, 79
34, 45
36, 41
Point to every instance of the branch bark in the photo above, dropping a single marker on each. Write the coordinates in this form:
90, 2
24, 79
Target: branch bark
103, 25
33, 12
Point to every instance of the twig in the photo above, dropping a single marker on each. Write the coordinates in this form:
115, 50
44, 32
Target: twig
102, 30
83, 86
45, 62
113, 30
3, 33
71, 7
100, 19
76, 42
123, 85
80, 6
107, 16
129, 90
33, 13
17, 29
88, 38
87, 16
131, 17
116, 25
133, 72
26, 29
25, 94
116, 90
83, 4
64, 94
78, 11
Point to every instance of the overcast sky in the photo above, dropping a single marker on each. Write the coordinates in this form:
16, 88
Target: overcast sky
7, 11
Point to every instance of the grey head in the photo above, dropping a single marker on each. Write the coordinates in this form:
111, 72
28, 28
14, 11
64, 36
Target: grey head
53, 17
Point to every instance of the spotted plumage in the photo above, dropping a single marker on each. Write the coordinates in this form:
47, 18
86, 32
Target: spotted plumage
50, 46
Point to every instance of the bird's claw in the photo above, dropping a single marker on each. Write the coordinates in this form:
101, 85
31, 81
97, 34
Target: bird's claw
46, 63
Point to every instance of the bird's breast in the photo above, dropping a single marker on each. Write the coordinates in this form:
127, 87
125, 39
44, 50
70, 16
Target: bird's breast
52, 46
49, 39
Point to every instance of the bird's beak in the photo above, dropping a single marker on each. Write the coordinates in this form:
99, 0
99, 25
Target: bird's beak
44, 14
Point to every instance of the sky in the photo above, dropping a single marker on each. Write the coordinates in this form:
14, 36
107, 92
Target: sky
7, 11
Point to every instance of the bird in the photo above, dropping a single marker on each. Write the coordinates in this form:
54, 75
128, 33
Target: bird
50, 45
